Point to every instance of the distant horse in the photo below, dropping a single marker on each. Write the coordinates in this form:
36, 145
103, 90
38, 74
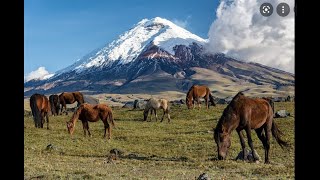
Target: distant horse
40, 108
247, 113
195, 93
70, 98
55, 104
92, 113
153, 105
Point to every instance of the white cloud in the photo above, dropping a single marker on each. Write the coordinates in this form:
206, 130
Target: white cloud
41, 73
242, 32
182, 23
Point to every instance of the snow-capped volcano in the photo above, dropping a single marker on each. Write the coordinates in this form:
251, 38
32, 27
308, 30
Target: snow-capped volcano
156, 55
157, 31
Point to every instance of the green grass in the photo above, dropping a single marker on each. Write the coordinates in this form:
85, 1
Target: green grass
182, 149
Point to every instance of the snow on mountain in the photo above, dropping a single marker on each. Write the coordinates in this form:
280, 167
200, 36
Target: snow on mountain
161, 32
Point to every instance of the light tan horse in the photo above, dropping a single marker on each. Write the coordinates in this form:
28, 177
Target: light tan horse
92, 113
195, 93
153, 105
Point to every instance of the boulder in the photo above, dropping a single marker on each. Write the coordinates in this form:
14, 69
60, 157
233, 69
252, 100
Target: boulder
203, 176
281, 114
90, 100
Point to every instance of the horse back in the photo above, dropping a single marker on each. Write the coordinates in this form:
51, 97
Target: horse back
258, 110
200, 91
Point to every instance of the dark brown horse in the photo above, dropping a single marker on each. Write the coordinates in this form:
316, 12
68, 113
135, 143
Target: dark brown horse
195, 93
40, 108
70, 98
247, 113
92, 113
55, 104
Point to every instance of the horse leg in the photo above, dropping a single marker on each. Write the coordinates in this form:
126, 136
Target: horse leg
42, 119
168, 115
164, 112
267, 131
47, 117
199, 105
107, 126
207, 100
243, 145
263, 139
155, 114
84, 128
250, 142
87, 125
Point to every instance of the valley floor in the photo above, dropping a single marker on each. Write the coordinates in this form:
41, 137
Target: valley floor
182, 149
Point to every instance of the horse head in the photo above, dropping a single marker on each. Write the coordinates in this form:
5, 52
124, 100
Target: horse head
223, 142
189, 102
70, 127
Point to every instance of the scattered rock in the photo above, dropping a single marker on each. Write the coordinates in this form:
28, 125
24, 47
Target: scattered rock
281, 114
114, 155
203, 176
90, 100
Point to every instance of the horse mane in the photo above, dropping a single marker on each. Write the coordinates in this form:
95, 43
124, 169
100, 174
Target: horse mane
227, 111
76, 114
190, 90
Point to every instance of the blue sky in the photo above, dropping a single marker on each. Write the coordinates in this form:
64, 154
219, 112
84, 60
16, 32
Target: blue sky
58, 32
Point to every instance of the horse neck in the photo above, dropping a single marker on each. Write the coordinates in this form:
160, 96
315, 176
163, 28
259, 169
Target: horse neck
76, 115
190, 94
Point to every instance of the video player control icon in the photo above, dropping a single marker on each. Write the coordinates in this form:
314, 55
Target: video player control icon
283, 9
266, 9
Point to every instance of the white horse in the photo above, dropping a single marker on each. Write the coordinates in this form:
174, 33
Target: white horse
154, 105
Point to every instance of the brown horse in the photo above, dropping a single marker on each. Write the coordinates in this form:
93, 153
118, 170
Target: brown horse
195, 93
55, 104
70, 98
40, 108
153, 105
92, 113
247, 113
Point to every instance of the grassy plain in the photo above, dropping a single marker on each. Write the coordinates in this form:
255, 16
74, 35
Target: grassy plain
182, 149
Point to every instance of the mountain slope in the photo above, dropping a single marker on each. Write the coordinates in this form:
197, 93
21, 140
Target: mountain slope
155, 56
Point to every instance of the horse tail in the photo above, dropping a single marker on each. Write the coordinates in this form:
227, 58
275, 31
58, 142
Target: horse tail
211, 99
276, 134
111, 120
35, 110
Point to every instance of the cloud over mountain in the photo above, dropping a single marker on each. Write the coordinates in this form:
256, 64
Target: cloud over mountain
242, 32
41, 73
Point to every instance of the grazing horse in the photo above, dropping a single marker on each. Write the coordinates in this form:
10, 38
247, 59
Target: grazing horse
40, 108
70, 98
92, 113
247, 113
195, 93
55, 104
154, 105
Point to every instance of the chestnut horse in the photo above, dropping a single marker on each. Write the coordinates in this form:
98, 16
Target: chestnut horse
55, 104
40, 108
70, 98
153, 105
195, 93
247, 113
92, 113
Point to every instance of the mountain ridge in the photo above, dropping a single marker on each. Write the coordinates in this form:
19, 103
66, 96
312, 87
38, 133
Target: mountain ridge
156, 55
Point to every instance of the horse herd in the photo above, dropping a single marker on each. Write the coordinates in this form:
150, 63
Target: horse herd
242, 113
